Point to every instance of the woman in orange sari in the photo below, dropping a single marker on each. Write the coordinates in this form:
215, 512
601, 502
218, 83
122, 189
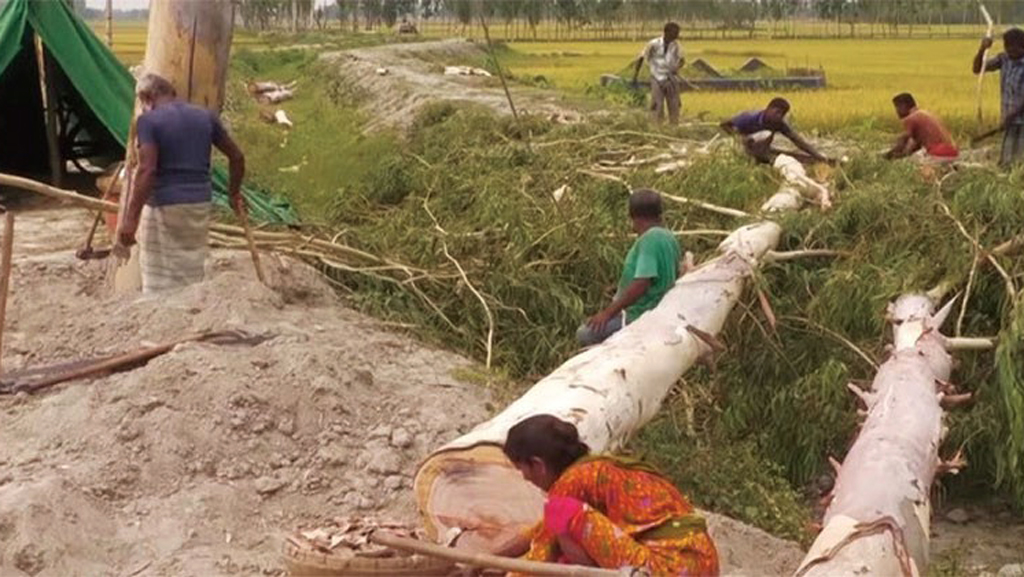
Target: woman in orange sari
606, 511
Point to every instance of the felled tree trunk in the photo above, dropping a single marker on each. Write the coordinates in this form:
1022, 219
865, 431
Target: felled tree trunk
878, 520
189, 44
608, 392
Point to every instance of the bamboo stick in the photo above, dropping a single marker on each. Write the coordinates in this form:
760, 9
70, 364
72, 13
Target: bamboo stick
984, 57
250, 242
5, 276
488, 561
49, 111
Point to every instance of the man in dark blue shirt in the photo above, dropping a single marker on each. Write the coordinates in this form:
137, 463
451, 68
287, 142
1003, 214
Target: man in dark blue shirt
171, 192
758, 128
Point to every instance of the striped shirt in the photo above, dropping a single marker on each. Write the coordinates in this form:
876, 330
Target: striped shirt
1011, 84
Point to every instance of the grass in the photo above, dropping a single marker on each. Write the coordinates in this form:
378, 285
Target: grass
863, 75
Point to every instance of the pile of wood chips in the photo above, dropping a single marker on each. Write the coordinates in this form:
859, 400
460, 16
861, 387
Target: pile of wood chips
353, 536
342, 547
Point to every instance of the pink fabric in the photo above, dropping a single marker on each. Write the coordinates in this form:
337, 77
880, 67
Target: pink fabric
559, 513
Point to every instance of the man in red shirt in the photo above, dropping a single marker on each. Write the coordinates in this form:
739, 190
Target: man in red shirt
923, 130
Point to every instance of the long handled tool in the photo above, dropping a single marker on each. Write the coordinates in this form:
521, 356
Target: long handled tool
984, 57
244, 217
34, 380
989, 134
488, 561
87, 252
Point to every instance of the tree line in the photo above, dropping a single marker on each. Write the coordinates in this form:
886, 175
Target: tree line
542, 19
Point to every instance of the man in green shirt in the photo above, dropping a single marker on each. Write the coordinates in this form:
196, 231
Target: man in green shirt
650, 270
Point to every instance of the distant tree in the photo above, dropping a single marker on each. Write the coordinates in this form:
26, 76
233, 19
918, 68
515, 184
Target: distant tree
346, 10
607, 12
372, 11
393, 10
738, 15
463, 11
779, 10
508, 11
568, 11
533, 11
430, 8
260, 14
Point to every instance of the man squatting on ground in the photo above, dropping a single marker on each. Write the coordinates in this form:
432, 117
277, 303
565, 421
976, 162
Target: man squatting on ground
172, 191
923, 131
664, 57
758, 127
650, 270
1010, 65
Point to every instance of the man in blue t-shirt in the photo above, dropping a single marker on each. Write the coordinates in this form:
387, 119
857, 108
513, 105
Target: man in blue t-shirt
758, 127
169, 200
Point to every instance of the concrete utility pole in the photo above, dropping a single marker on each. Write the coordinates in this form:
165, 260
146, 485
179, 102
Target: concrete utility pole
189, 44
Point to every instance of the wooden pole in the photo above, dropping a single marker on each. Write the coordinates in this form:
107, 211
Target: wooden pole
984, 57
110, 23
252, 245
49, 98
5, 276
189, 44
487, 561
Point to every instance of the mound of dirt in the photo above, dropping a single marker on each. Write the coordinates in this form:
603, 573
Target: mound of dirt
199, 462
196, 463
397, 80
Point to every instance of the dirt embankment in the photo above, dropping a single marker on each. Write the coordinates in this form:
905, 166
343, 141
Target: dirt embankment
199, 462
397, 80
195, 463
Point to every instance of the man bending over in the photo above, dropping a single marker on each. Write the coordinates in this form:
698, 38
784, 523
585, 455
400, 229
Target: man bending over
923, 131
757, 128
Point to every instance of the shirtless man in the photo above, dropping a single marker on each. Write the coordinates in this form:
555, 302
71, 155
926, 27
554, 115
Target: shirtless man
922, 131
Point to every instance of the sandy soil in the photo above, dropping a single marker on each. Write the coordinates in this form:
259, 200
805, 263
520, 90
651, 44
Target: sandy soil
199, 462
414, 77
195, 463
989, 540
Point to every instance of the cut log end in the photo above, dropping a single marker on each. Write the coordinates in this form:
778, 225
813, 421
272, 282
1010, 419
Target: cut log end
478, 490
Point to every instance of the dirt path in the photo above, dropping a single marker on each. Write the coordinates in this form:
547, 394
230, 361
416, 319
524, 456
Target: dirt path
199, 462
414, 76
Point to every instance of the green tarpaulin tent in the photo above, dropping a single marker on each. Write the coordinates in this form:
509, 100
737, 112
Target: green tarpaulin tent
98, 90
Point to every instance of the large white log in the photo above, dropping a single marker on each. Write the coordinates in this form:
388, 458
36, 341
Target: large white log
878, 520
608, 392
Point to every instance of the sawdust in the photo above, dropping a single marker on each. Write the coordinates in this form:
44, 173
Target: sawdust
203, 460
397, 80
